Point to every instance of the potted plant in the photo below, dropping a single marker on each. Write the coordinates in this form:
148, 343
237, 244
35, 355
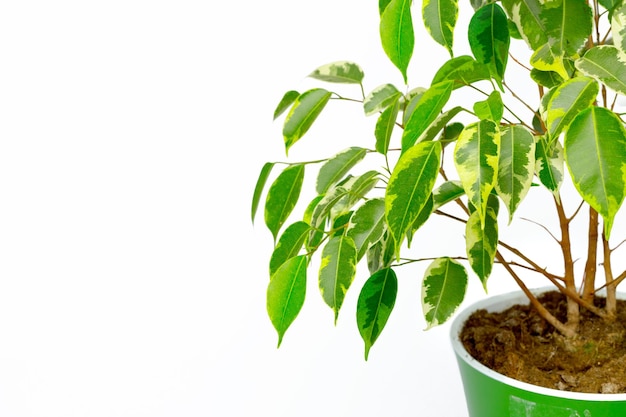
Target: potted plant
471, 165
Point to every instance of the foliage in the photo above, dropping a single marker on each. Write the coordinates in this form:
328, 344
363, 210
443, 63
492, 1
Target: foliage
577, 63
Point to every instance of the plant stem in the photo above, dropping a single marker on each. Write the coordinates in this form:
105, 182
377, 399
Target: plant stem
543, 312
573, 312
589, 277
611, 286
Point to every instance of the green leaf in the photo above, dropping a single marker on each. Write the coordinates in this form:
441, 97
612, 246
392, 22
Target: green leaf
481, 244
595, 153
337, 271
422, 217
380, 98
607, 65
489, 39
306, 108
356, 189
438, 124
396, 34
411, 100
286, 102
336, 168
516, 166
609, 4
375, 305
548, 79
549, 164
409, 187
285, 294
446, 192
428, 108
440, 17
367, 225
463, 70
618, 27
569, 99
443, 290
289, 244
385, 125
382, 5
323, 208
491, 109
260, 185
282, 197
339, 72
476, 159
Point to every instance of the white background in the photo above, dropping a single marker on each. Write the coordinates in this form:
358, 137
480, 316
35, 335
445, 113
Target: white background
132, 282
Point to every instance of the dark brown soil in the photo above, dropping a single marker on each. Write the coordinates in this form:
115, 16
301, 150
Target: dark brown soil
520, 344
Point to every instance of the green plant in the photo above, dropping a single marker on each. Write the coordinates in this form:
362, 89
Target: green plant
498, 154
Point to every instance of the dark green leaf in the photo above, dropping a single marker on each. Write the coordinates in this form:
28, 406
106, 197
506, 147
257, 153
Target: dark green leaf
375, 304
489, 39
385, 125
446, 192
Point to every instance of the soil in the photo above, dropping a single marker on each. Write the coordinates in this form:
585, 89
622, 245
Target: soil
520, 344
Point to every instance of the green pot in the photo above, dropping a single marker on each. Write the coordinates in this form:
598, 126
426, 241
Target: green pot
490, 394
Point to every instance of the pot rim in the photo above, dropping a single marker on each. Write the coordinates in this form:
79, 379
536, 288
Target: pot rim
498, 303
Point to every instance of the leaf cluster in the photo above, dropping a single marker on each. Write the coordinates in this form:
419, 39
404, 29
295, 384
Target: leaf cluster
577, 64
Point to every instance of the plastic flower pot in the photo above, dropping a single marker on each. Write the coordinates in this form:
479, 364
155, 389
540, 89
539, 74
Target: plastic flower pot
490, 394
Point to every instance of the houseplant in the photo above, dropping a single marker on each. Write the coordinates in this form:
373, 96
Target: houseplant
469, 164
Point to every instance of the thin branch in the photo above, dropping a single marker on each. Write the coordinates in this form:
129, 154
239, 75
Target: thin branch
543, 227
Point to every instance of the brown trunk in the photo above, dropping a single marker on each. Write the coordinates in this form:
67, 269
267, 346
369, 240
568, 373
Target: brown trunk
573, 311
611, 287
589, 277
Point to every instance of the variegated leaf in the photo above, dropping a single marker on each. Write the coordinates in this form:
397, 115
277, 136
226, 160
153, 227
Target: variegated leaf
491, 109
549, 164
428, 108
286, 102
422, 217
289, 244
357, 188
337, 271
446, 192
526, 14
440, 17
618, 27
482, 244
337, 167
380, 98
286, 293
306, 108
443, 290
367, 225
516, 166
282, 197
549, 57
375, 304
326, 203
463, 70
396, 34
385, 125
438, 124
569, 99
476, 159
489, 39
595, 153
409, 187
339, 72
606, 64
